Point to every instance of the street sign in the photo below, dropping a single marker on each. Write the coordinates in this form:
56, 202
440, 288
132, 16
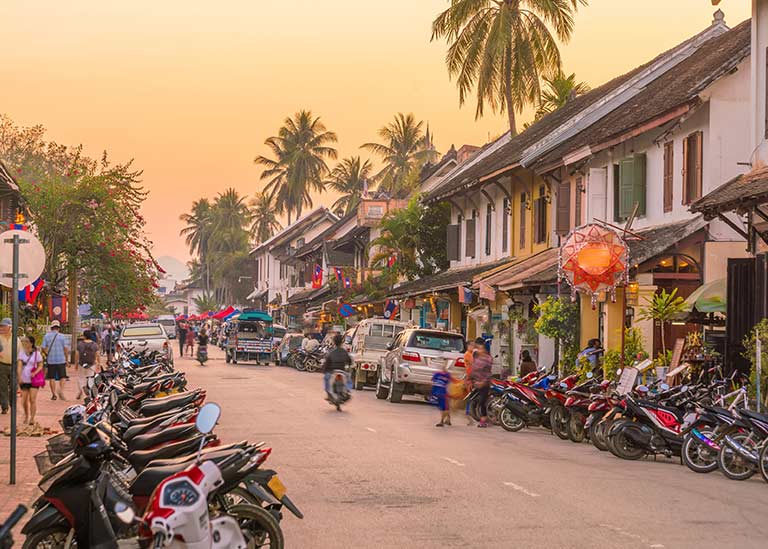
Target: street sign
31, 257
346, 310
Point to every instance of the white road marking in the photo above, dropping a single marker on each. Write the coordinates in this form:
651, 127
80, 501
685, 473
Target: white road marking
657, 546
521, 489
371, 430
291, 395
457, 463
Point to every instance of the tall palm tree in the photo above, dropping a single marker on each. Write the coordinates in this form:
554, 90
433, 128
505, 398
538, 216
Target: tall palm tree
230, 220
503, 48
404, 149
264, 217
558, 90
300, 151
348, 178
197, 235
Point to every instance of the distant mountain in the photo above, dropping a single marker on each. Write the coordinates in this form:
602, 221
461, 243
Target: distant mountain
173, 267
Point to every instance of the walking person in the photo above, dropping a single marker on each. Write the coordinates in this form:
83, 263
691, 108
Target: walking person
527, 365
190, 342
469, 357
482, 365
31, 378
181, 333
5, 364
108, 342
440, 381
87, 360
56, 354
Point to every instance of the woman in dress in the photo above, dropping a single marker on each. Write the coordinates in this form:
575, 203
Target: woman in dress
31, 377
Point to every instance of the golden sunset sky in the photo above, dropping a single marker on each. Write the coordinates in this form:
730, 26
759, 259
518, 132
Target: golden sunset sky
191, 89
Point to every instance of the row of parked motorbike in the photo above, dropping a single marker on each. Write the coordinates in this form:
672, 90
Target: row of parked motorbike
139, 465
306, 361
706, 422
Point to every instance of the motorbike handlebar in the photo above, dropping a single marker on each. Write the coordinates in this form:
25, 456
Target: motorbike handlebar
8, 525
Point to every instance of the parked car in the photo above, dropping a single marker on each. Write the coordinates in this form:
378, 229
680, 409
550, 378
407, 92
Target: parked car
290, 342
169, 323
368, 346
413, 357
146, 335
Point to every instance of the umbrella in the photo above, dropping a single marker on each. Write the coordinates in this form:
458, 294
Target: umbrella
709, 298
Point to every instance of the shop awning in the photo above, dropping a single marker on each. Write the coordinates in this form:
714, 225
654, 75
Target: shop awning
540, 268
709, 298
308, 295
224, 312
660, 238
451, 278
738, 194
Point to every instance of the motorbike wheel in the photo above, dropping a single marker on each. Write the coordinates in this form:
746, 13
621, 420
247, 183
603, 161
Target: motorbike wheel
239, 496
622, 447
474, 410
495, 406
50, 537
312, 365
575, 426
259, 527
762, 462
731, 463
697, 456
597, 435
381, 391
509, 421
558, 418
358, 379
300, 365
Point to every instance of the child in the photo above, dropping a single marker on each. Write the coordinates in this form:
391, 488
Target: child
190, 342
440, 383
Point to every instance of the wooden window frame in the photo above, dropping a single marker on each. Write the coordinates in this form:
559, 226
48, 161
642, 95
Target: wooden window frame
669, 179
696, 139
523, 220
488, 226
506, 212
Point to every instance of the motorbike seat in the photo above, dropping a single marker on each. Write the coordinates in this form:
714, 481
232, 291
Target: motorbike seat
139, 425
177, 432
146, 481
760, 419
141, 458
154, 406
206, 452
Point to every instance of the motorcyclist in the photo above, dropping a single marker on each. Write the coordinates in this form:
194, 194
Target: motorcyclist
337, 359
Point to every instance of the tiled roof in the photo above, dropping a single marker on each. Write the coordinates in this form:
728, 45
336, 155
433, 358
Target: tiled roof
317, 242
308, 295
444, 280
740, 192
521, 271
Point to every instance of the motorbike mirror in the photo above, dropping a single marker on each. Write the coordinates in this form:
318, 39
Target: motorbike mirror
590, 375
552, 377
684, 389
618, 372
664, 387
125, 513
207, 417
642, 389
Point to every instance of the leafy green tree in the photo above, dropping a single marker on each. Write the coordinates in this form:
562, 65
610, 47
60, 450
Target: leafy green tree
404, 149
264, 221
206, 302
348, 178
559, 319
298, 166
663, 307
503, 48
558, 90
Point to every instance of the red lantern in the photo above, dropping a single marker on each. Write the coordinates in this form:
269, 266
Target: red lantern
593, 260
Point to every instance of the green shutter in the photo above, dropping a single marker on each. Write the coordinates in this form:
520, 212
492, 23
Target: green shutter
626, 187
638, 181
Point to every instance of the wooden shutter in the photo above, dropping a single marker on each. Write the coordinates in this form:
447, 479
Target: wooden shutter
638, 183
470, 242
536, 237
685, 170
598, 194
523, 199
563, 216
505, 215
699, 160
488, 225
452, 240
626, 187
579, 190
669, 164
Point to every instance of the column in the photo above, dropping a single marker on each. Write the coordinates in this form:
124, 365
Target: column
589, 321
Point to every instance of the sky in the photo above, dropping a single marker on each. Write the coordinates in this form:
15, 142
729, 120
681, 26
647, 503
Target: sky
191, 89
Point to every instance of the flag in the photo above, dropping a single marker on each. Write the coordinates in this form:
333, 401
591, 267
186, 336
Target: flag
29, 293
347, 282
390, 309
339, 274
391, 260
57, 307
465, 295
317, 277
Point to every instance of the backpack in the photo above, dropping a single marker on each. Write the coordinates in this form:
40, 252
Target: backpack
88, 354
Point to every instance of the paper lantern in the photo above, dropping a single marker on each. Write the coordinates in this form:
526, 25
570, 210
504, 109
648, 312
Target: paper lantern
593, 260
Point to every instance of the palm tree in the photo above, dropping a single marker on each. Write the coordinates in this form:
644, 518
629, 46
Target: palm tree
264, 218
230, 218
663, 307
205, 303
300, 151
503, 48
405, 149
349, 178
197, 235
559, 89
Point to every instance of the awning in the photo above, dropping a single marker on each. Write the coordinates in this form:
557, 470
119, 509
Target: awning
308, 295
233, 314
255, 315
224, 312
540, 268
660, 238
709, 298
451, 278
739, 194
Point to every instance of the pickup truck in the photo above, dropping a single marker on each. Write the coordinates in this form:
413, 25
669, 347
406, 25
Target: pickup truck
146, 335
368, 346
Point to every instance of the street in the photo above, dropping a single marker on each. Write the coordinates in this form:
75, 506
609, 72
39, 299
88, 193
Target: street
381, 475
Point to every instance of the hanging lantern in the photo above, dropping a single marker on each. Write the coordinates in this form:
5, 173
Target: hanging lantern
594, 259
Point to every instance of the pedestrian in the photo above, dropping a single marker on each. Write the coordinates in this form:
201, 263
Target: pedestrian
56, 354
469, 357
592, 353
190, 342
108, 342
181, 333
87, 360
527, 365
440, 381
31, 377
482, 366
6, 360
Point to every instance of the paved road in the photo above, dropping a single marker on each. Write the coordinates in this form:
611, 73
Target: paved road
381, 475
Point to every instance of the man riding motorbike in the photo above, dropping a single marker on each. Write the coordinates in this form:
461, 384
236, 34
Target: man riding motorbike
337, 359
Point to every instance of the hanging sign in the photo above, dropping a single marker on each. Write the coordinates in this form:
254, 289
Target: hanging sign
31, 258
346, 310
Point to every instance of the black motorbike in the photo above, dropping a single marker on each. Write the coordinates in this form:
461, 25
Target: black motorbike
6, 541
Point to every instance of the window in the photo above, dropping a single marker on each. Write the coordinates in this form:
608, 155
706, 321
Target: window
142, 331
563, 217
523, 221
692, 167
488, 223
470, 239
629, 186
437, 342
669, 151
540, 216
506, 211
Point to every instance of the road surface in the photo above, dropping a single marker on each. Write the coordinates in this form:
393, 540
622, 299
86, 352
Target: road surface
382, 475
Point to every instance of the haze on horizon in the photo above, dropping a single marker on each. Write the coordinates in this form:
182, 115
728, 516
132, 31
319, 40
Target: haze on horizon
191, 91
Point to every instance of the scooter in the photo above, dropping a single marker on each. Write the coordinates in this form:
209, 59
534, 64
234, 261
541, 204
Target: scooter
202, 354
338, 387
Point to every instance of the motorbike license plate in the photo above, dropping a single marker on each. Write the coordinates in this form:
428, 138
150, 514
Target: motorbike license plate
277, 487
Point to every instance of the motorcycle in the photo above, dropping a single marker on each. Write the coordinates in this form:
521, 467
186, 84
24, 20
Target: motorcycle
338, 387
6, 541
202, 354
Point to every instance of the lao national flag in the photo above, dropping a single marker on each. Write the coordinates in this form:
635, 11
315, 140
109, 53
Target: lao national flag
391, 260
29, 294
347, 282
339, 274
58, 308
390, 309
465, 295
317, 277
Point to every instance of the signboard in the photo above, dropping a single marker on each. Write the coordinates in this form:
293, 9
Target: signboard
346, 310
31, 258
627, 380
677, 353
487, 292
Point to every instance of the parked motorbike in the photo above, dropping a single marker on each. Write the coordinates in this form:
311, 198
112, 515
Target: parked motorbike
6, 540
339, 389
